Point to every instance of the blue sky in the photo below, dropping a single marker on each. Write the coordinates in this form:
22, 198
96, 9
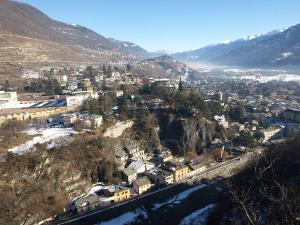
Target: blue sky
174, 24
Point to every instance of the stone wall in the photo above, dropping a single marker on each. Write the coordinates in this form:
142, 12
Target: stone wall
117, 130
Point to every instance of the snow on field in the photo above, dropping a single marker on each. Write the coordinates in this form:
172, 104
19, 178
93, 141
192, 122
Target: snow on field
265, 79
198, 217
125, 218
44, 136
178, 198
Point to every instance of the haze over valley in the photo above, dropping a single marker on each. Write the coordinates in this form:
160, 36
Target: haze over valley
116, 121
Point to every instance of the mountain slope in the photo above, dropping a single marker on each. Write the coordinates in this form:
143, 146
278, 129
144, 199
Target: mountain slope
131, 48
23, 19
274, 49
166, 66
30, 40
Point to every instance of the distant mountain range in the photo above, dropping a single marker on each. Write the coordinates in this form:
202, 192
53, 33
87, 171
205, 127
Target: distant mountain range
276, 49
30, 40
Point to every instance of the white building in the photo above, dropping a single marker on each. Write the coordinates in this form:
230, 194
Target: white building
196, 169
96, 121
8, 99
8, 96
79, 97
270, 133
69, 119
134, 151
130, 175
141, 166
160, 176
221, 121
119, 93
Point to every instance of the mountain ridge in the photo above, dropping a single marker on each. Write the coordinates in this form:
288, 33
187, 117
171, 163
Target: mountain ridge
271, 50
131, 48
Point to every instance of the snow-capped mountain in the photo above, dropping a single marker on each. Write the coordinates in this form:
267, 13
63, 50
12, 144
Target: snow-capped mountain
164, 52
278, 48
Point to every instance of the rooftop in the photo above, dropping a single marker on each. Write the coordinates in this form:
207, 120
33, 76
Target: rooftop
196, 166
120, 153
173, 166
137, 164
142, 181
5, 112
160, 172
129, 171
293, 110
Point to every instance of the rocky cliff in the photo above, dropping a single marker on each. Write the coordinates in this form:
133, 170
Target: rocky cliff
186, 134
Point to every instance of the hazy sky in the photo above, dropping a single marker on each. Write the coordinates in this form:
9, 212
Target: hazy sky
174, 24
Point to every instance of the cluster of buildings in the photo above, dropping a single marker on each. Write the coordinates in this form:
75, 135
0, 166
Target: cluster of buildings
141, 172
86, 120
269, 108
91, 78
99, 195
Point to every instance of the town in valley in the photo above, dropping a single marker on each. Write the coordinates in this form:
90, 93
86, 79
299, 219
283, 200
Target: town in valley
98, 131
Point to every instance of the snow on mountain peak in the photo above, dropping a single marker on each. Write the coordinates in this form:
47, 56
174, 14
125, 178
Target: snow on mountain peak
226, 42
282, 30
251, 37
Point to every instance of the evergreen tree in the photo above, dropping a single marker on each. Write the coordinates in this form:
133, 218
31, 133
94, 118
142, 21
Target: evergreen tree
90, 105
128, 68
122, 103
104, 69
109, 71
6, 86
237, 113
180, 87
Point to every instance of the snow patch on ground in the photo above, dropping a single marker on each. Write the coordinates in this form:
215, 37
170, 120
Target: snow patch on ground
125, 218
179, 197
198, 217
44, 136
219, 189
